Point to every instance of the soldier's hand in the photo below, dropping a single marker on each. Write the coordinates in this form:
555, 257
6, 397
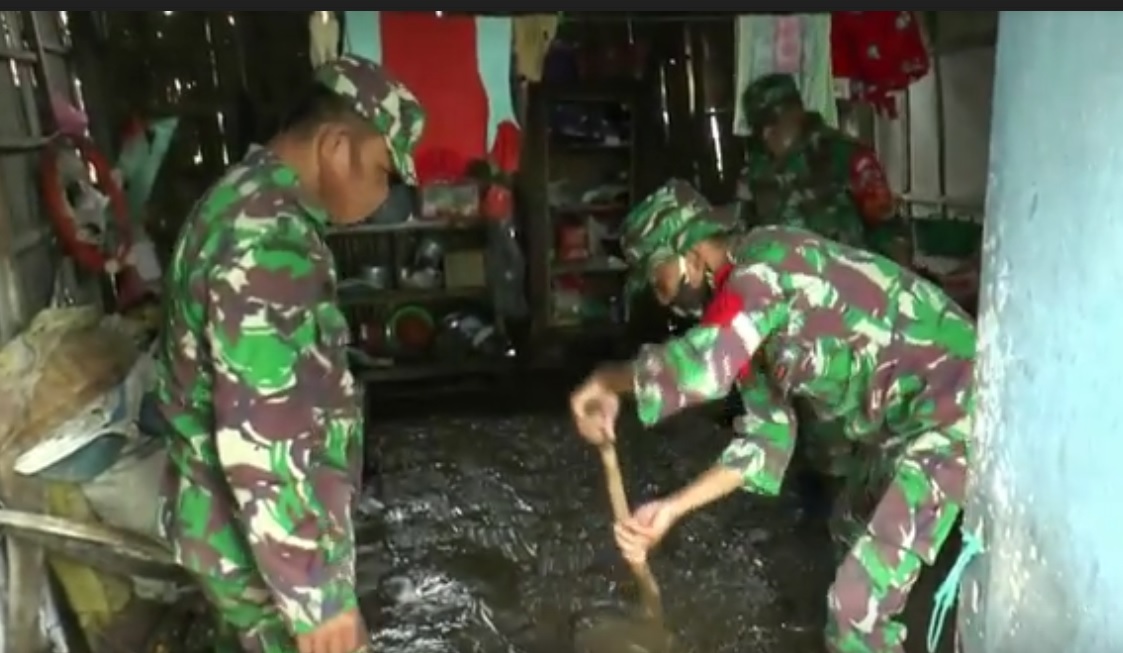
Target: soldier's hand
343, 633
595, 407
645, 528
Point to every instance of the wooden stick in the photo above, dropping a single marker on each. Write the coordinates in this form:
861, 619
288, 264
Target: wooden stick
648, 587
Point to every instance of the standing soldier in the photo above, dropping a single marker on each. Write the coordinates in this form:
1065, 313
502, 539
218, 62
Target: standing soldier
801, 173
265, 448
790, 314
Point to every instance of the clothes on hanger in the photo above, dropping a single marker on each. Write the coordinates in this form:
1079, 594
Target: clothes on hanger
880, 52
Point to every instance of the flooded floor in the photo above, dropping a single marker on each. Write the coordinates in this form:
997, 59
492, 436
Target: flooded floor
491, 533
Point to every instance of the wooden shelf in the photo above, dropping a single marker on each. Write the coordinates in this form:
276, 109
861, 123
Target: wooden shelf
596, 210
359, 296
602, 92
577, 146
423, 371
556, 154
590, 266
589, 329
409, 226
361, 301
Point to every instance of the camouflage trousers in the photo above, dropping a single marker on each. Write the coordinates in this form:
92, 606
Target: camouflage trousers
891, 538
199, 519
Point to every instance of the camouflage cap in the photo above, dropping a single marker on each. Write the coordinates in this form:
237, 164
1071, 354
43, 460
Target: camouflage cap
766, 95
385, 101
666, 224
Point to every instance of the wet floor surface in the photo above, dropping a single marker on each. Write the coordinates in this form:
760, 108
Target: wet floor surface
491, 532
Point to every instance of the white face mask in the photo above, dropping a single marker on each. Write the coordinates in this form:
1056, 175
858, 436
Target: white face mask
689, 301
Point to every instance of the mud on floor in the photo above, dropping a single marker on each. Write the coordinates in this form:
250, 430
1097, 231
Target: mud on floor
492, 533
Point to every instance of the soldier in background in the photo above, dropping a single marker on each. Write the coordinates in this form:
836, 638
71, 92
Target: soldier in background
788, 314
801, 173
265, 448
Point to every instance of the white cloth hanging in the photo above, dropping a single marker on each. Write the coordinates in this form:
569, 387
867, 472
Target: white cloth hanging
799, 45
323, 32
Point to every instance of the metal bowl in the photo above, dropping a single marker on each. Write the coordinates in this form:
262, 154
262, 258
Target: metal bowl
375, 276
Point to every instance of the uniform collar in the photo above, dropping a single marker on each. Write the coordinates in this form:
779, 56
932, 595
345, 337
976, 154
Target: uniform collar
281, 175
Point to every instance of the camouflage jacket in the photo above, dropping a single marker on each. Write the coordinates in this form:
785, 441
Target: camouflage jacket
814, 186
252, 376
862, 340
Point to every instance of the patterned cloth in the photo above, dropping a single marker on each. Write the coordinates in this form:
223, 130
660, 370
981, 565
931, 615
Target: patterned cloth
880, 52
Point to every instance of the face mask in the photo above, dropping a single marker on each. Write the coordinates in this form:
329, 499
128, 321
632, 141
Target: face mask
689, 301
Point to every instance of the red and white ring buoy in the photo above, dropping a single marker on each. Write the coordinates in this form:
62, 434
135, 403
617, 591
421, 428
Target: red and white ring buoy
89, 256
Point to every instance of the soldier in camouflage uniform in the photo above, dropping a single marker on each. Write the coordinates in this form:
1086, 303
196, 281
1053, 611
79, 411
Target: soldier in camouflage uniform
793, 314
801, 173
266, 442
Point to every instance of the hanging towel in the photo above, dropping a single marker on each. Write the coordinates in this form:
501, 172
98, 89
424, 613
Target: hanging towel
362, 35
533, 36
816, 81
493, 52
799, 45
323, 33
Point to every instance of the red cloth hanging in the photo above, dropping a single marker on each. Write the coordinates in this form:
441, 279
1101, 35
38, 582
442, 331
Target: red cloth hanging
880, 52
435, 57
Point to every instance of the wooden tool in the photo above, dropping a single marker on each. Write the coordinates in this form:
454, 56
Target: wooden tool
648, 587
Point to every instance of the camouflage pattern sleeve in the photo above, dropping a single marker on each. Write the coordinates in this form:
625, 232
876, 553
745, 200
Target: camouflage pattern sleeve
703, 364
743, 195
765, 438
286, 422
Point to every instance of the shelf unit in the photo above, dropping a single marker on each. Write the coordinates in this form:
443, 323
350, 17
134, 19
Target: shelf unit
370, 308
576, 296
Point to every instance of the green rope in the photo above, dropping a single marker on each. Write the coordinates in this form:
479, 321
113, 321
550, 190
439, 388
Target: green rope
945, 596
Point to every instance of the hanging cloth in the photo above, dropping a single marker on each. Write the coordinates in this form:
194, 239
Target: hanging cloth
362, 35
799, 45
880, 52
493, 52
533, 36
323, 32
459, 67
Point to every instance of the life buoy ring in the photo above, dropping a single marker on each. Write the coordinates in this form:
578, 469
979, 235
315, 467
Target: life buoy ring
89, 256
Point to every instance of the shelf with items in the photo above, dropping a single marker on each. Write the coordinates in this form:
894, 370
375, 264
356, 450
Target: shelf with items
405, 339
416, 224
416, 296
583, 145
585, 301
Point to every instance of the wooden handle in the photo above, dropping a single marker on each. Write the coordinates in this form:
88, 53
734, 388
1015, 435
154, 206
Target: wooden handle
648, 587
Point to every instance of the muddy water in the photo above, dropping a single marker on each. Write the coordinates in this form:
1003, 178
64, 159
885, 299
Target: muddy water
492, 534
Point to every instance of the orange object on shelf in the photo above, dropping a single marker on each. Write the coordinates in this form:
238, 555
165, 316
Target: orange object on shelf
498, 203
411, 329
573, 242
